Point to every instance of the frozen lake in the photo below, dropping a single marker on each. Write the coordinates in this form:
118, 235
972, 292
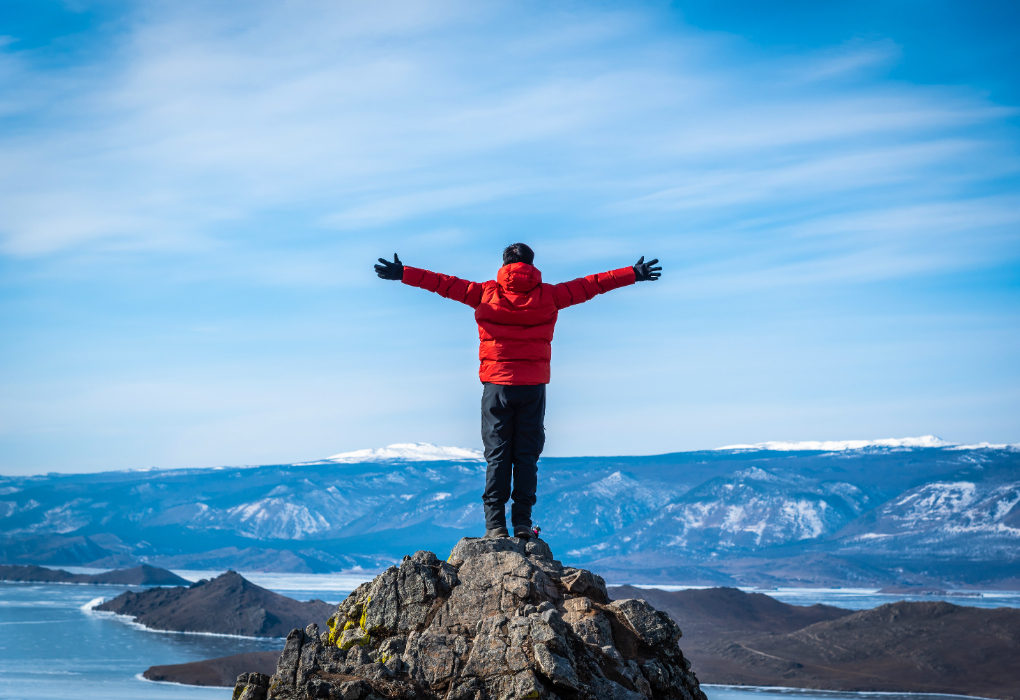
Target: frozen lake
51, 647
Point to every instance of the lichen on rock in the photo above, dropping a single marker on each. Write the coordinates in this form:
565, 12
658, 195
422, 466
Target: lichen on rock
499, 620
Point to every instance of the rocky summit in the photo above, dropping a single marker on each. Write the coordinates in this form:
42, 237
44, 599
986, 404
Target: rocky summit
499, 620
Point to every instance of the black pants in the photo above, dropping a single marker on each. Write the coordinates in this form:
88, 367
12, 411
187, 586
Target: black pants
513, 432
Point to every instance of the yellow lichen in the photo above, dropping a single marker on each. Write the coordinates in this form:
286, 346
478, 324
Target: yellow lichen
364, 613
348, 642
357, 616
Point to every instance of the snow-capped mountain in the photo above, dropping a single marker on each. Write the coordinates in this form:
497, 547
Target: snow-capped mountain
602, 507
408, 452
748, 510
973, 516
841, 445
879, 503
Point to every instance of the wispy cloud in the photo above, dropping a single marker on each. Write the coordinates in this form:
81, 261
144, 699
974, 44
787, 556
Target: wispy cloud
192, 193
195, 117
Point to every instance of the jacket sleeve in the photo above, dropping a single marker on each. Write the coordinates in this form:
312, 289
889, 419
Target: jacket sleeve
465, 292
584, 288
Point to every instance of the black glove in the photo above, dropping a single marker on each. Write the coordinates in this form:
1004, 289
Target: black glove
390, 270
643, 271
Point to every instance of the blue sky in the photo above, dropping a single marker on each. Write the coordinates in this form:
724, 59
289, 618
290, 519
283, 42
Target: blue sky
192, 195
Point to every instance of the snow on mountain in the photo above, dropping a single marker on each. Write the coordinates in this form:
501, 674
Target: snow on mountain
408, 452
604, 506
985, 446
841, 445
277, 519
906, 499
750, 509
945, 511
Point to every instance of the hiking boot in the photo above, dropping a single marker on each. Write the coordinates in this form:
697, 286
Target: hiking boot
496, 533
524, 533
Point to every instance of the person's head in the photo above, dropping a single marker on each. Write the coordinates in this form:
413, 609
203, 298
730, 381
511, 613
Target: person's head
518, 253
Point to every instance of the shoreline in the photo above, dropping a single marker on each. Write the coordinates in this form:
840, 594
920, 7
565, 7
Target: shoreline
790, 690
130, 621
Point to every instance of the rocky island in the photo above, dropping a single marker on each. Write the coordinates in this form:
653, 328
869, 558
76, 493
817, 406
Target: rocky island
143, 575
228, 604
499, 619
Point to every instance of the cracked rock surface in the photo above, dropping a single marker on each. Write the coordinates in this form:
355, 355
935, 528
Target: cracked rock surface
499, 620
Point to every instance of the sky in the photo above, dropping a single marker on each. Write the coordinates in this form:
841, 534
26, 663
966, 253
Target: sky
193, 194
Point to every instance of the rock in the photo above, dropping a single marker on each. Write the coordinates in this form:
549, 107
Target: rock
433, 658
351, 690
605, 689
652, 626
251, 686
656, 675
588, 622
286, 667
584, 583
358, 656
555, 667
500, 620
354, 636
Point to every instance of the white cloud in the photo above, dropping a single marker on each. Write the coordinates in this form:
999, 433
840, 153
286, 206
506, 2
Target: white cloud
199, 119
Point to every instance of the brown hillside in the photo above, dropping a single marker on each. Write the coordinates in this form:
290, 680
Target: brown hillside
927, 647
222, 671
229, 604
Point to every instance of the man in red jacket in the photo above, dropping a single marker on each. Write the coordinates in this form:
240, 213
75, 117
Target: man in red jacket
516, 314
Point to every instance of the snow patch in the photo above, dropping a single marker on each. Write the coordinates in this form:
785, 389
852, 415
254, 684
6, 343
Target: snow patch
276, 518
756, 474
841, 445
985, 446
408, 452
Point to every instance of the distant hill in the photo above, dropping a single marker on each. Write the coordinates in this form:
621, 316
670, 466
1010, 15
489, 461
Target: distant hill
228, 604
914, 512
741, 638
738, 638
709, 614
143, 575
222, 671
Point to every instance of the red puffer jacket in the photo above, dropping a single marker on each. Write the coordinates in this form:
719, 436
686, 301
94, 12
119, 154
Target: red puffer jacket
516, 315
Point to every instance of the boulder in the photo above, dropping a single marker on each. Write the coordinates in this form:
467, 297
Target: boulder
499, 620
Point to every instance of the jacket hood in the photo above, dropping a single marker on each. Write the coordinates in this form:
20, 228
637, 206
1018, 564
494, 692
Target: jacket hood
519, 278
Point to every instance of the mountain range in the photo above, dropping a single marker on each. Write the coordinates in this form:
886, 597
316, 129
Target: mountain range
908, 511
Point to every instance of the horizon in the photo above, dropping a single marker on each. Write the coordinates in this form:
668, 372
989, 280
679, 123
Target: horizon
434, 453
195, 193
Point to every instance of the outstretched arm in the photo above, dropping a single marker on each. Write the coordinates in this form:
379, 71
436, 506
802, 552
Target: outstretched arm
584, 288
465, 292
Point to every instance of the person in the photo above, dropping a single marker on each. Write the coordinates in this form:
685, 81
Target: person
516, 314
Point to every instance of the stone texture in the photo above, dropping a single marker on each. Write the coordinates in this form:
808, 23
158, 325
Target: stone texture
251, 686
652, 626
500, 620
